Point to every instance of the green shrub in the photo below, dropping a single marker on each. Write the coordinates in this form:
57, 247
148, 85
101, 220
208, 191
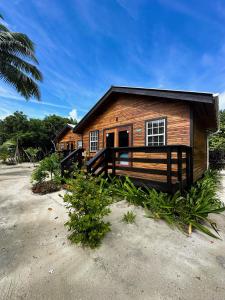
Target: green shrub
128, 191
32, 153
87, 200
7, 151
186, 211
49, 167
129, 217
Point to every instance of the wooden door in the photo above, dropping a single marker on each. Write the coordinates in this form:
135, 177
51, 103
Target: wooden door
124, 140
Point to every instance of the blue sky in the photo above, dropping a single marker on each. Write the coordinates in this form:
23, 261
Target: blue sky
85, 46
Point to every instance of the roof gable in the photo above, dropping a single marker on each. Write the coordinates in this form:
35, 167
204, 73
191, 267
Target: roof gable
64, 130
208, 100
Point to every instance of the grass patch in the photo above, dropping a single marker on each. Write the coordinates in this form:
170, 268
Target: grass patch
129, 217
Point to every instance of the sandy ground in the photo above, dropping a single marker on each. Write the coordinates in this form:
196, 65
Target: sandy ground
146, 260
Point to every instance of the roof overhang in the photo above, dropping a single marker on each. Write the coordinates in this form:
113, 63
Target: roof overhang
63, 131
208, 101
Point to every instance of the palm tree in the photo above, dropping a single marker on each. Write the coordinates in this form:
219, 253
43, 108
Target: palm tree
16, 50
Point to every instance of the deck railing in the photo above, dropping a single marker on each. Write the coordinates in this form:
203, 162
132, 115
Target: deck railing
74, 157
173, 164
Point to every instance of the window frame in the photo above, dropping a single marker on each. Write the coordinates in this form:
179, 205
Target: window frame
151, 135
90, 141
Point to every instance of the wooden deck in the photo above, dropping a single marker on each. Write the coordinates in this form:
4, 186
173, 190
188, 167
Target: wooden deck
166, 168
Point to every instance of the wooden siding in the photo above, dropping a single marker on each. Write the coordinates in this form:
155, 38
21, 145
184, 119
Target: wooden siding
135, 111
69, 137
199, 148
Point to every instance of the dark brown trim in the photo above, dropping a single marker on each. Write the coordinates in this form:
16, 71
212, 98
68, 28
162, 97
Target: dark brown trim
191, 127
196, 97
62, 132
155, 119
114, 127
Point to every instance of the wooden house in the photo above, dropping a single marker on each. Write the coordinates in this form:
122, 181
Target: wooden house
157, 137
66, 140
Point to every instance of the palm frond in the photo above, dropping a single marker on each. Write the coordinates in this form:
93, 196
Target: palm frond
21, 64
3, 28
15, 47
23, 83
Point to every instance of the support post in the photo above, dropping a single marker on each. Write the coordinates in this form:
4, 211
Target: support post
113, 162
169, 179
106, 161
179, 168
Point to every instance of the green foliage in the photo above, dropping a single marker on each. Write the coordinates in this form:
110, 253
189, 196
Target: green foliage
217, 141
35, 133
127, 190
129, 217
186, 211
17, 52
7, 150
87, 201
32, 153
48, 167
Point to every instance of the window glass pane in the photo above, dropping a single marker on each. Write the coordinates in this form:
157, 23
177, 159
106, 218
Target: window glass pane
155, 130
161, 129
161, 138
149, 139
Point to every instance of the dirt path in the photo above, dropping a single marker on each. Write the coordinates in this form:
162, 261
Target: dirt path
143, 261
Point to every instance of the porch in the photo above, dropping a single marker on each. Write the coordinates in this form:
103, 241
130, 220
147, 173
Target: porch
166, 168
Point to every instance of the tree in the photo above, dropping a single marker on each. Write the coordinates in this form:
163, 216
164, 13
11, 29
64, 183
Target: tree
217, 141
15, 49
32, 132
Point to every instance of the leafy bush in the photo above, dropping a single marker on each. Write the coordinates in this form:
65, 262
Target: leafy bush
32, 153
7, 151
87, 200
129, 217
186, 211
127, 190
48, 167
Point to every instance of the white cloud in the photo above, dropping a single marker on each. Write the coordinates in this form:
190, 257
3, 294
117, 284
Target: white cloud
74, 115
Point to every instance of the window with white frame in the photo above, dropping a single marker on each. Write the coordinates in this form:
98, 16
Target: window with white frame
156, 132
94, 140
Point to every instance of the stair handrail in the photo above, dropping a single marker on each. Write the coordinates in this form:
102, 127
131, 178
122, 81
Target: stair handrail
73, 153
91, 162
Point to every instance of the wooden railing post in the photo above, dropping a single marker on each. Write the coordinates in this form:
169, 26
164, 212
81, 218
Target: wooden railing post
169, 179
106, 162
179, 168
113, 162
79, 158
189, 166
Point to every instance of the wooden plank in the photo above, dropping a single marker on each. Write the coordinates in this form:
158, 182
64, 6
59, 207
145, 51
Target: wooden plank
148, 160
169, 171
148, 171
